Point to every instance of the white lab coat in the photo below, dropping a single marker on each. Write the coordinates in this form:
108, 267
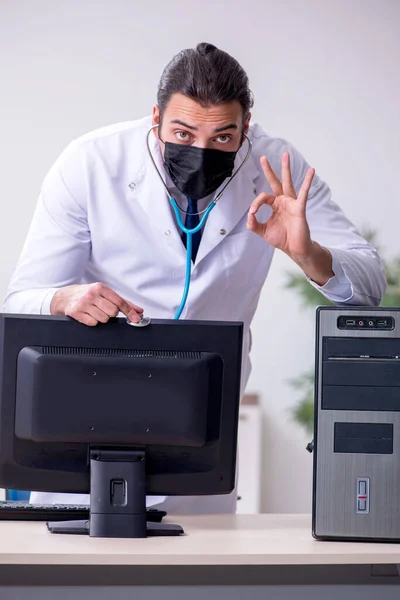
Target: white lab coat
103, 215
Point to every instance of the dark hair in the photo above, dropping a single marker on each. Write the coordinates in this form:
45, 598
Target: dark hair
206, 74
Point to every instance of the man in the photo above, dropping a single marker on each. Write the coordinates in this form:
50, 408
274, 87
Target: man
104, 239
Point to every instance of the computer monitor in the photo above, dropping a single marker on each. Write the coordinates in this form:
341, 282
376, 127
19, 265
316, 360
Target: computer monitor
119, 412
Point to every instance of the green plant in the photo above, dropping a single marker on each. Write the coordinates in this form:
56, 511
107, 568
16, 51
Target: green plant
303, 411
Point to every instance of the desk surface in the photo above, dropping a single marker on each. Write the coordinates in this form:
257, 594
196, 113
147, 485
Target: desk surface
209, 540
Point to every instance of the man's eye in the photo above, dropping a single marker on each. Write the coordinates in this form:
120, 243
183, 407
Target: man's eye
183, 136
224, 139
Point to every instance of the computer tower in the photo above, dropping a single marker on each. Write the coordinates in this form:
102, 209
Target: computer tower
356, 479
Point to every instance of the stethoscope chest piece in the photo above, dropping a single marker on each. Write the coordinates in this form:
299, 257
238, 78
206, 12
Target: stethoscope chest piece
142, 323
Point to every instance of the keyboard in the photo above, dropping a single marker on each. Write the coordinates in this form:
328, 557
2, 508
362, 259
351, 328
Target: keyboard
23, 511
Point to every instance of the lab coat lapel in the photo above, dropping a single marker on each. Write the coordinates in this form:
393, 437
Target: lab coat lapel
234, 203
151, 195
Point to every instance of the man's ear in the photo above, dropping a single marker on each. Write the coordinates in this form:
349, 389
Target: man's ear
247, 124
155, 119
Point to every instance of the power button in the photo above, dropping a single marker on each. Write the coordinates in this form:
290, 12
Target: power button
362, 495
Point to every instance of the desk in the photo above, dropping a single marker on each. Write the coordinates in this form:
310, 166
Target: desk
229, 557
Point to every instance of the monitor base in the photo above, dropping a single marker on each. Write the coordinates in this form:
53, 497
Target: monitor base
83, 528
117, 498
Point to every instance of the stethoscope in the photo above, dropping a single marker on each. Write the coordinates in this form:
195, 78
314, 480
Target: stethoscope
189, 232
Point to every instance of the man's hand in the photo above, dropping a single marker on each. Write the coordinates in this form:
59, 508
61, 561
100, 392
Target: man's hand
287, 228
92, 304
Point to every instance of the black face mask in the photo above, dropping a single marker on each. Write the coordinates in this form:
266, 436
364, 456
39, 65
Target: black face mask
197, 172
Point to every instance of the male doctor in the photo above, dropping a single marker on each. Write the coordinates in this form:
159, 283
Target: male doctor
104, 239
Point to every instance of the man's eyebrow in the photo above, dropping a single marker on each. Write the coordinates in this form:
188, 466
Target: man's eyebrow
178, 122
225, 127
193, 128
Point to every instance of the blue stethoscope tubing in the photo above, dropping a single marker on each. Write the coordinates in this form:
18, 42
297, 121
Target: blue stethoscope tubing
189, 239
190, 232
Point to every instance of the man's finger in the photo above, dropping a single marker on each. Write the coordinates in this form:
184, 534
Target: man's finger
111, 296
86, 319
254, 225
135, 312
259, 201
305, 187
98, 314
123, 305
108, 307
287, 182
272, 179
135, 307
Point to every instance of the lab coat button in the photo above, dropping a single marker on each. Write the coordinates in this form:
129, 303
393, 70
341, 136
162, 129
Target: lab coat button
222, 231
167, 232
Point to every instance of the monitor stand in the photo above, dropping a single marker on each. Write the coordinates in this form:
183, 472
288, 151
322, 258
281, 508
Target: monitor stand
117, 499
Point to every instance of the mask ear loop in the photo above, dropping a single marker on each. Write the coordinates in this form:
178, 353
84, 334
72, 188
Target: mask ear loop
154, 162
244, 161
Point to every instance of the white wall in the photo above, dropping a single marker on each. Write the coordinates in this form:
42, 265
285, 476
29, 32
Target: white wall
325, 75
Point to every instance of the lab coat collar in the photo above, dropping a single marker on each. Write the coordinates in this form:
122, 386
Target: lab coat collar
152, 197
